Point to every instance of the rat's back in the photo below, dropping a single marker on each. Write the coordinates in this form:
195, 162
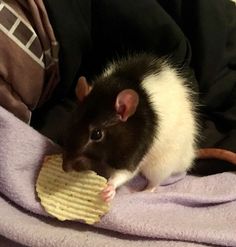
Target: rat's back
170, 97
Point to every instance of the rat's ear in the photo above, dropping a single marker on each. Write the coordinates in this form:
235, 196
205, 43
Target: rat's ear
82, 89
126, 103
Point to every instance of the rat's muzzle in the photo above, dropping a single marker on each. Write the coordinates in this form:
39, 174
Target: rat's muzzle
78, 163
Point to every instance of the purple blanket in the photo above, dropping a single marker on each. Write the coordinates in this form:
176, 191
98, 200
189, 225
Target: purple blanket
193, 211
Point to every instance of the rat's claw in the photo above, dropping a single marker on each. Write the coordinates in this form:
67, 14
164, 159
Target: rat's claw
150, 188
108, 193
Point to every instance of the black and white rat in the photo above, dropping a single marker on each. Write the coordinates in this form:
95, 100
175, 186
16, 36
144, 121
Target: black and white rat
138, 116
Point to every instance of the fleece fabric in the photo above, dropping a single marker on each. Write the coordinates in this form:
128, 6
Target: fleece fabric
188, 209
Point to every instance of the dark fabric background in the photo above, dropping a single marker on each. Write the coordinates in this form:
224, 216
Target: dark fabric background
199, 33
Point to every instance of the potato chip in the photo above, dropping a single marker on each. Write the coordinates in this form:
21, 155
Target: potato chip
70, 195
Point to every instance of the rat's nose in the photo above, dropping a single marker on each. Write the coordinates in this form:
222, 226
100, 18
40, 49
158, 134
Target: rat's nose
79, 163
66, 163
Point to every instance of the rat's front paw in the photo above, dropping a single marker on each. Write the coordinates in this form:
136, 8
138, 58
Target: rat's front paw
108, 193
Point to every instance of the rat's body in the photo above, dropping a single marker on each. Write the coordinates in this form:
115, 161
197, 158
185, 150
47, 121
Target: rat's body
142, 110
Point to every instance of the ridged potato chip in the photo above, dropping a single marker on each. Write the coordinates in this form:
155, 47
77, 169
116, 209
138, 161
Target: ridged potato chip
73, 195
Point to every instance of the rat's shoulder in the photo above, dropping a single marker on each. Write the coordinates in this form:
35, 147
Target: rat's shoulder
134, 65
128, 72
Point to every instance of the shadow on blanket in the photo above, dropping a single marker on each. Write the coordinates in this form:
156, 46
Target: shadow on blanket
194, 209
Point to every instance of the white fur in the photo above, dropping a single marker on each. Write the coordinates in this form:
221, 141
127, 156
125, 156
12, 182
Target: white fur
173, 149
109, 70
120, 177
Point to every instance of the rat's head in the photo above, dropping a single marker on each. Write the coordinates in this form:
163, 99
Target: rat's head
103, 134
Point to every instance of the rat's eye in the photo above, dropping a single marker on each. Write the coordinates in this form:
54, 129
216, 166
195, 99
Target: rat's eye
96, 135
